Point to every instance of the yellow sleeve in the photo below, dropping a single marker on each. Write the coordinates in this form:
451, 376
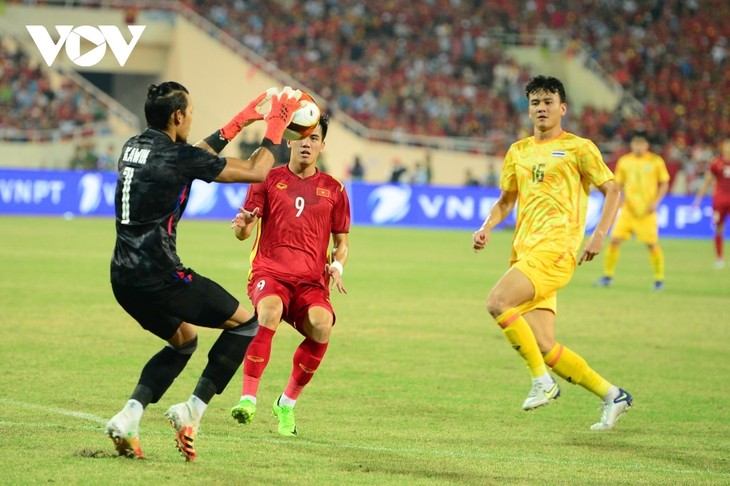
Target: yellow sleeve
508, 178
592, 165
662, 172
620, 176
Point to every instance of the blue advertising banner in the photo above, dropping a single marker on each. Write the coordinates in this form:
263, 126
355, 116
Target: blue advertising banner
69, 193
468, 207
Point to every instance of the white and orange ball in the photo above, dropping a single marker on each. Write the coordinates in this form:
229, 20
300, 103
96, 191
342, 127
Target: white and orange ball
305, 119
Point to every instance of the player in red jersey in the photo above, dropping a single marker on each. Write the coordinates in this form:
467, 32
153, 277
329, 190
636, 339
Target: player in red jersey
719, 174
299, 208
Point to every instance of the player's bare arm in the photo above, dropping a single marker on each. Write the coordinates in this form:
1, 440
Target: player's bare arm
341, 250
501, 209
661, 192
242, 119
244, 222
707, 181
610, 191
253, 169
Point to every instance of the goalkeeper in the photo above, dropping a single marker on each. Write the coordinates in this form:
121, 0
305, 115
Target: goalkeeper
149, 281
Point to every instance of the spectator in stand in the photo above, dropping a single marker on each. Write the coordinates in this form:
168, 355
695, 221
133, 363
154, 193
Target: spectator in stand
678, 152
470, 180
357, 171
84, 157
429, 167
248, 144
397, 172
130, 14
77, 159
420, 175
492, 177
107, 160
701, 156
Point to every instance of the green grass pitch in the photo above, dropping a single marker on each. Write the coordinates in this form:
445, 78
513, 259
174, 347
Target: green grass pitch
418, 387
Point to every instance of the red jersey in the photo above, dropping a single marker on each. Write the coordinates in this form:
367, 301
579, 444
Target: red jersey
720, 168
298, 217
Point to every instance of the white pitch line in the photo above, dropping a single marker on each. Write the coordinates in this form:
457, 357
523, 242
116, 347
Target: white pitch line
390, 450
59, 411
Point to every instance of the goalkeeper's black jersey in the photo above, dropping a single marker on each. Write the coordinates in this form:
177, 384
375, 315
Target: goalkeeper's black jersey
155, 176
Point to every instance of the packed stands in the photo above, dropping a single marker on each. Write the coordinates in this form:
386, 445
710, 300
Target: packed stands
38, 105
437, 68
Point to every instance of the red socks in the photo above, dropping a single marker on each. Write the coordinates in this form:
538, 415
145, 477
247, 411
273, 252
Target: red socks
257, 357
306, 360
718, 245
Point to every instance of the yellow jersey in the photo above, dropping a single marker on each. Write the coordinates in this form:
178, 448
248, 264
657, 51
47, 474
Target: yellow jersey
640, 178
552, 180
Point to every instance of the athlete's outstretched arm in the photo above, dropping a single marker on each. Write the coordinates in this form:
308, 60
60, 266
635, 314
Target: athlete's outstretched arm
608, 214
501, 209
341, 245
256, 167
708, 180
244, 222
661, 192
253, 169
218, 140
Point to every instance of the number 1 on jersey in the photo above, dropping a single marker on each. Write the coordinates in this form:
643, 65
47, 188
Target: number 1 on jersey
127, 176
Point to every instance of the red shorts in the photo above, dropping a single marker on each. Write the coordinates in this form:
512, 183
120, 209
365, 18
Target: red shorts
297, 298
720, 210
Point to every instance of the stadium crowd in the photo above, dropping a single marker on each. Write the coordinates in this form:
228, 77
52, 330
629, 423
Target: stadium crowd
437, 67
33, 107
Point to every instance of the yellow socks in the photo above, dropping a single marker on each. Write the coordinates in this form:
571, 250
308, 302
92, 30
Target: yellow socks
656, 257
574, 369
520, 336
611, 259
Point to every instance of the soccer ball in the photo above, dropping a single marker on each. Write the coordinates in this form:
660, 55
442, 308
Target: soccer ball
305, 118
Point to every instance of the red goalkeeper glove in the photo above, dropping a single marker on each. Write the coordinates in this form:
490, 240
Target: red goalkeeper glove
248, 115
283, 106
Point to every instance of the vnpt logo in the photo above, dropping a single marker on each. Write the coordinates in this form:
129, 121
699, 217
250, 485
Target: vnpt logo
71, 36
95, 194
203, 198
389, 204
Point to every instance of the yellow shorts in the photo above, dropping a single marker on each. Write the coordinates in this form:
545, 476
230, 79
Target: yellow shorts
645, 228
548, 271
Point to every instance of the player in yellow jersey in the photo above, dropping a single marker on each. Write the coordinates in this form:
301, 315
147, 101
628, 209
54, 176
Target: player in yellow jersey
548, 176
643, 179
